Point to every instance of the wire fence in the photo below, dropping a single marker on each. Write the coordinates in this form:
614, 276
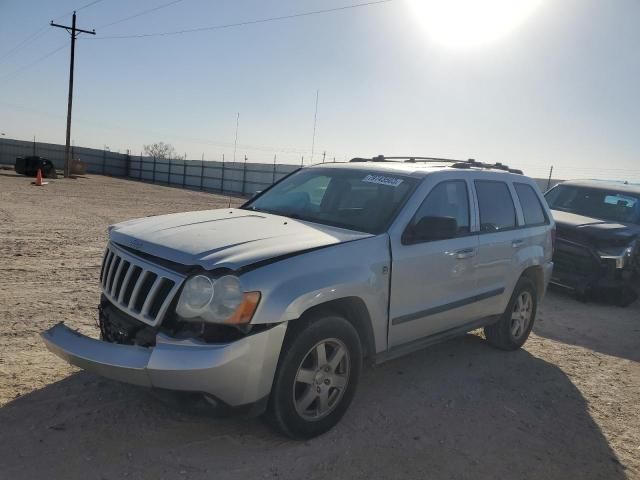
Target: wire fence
243, 178
240, 178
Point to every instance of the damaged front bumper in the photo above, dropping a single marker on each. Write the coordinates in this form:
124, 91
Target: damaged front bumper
238, 373
582, 269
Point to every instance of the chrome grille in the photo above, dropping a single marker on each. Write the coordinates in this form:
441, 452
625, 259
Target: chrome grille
139, 288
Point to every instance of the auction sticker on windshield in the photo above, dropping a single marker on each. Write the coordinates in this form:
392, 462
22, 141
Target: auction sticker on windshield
382, 180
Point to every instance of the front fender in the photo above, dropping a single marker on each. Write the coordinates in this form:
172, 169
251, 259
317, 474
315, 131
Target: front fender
292, 286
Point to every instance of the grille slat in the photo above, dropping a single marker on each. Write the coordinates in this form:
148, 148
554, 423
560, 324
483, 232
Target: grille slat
112, 266
132, 283
116, 279
137, 288
125, 282
107, 264
151, 295
141, 289
102, 268
167, 302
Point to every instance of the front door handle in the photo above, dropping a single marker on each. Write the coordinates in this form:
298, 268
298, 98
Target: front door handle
517, 243
465, 253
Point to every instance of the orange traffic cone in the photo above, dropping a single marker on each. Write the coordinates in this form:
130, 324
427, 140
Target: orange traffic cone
39, 182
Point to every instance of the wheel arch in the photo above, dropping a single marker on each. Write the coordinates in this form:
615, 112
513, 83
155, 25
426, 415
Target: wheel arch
535, 273
354, 310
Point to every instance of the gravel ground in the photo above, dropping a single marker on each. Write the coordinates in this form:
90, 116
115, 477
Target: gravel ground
565, 406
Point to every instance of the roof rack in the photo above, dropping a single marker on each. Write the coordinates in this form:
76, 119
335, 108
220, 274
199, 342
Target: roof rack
470, 163
382, 158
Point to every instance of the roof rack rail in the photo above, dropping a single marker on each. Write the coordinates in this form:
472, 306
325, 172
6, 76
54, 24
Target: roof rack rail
382, 158
470, 163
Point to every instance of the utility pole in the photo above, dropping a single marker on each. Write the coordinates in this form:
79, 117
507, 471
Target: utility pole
315, 121
74, 33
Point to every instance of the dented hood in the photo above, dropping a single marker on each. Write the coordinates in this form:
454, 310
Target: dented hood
587, 230
230, 238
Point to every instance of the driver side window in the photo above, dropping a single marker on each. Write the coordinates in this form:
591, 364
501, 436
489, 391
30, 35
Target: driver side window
315, 188
294, 199
444, 213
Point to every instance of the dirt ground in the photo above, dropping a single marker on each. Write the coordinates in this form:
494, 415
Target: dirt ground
566, 406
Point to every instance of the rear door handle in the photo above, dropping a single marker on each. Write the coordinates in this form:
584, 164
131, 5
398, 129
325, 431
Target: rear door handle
517, 243
465, 253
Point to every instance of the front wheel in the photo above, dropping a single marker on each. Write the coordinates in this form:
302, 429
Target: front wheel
317, 376
515, 324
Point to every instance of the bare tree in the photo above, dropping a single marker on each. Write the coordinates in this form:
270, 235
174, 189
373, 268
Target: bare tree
160, 150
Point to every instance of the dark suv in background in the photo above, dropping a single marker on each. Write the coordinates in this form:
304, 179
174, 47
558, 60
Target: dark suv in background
598, 238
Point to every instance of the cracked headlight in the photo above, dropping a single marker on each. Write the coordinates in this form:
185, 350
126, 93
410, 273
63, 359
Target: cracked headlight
219, 300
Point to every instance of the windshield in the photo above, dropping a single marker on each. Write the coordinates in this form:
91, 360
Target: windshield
353, 199
598, 203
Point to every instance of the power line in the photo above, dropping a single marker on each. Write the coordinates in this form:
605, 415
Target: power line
29, 65
248, 22
24, 42
38, 33
144, 12
90, 4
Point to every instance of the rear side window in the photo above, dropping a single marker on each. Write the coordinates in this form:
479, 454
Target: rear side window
497, 211
530, 203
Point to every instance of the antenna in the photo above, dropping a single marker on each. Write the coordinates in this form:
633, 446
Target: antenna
235, 143
315, 121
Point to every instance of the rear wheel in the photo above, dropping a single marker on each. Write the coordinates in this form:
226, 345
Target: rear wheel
317, 376
515, 324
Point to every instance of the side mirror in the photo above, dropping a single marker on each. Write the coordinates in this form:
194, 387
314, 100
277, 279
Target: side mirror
430, 229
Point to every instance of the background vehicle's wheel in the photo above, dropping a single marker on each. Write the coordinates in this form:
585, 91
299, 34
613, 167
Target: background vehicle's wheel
515, 324
626, 296
317, 375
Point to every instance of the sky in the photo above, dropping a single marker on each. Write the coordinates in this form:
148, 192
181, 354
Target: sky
529, 83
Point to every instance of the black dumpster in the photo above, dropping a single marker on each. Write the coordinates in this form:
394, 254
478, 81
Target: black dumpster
29, 166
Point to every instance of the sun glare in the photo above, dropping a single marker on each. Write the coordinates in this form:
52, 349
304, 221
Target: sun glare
470, 23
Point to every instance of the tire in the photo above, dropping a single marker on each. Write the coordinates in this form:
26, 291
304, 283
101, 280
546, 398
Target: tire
626, 296
310, 396
513, 328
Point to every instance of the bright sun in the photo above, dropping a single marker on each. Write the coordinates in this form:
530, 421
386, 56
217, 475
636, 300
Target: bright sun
470, 23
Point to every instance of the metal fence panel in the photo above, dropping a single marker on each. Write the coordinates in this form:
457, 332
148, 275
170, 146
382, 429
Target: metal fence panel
243, 178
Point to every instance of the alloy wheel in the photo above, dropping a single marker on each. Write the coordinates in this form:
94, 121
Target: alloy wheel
321, 379
521, 314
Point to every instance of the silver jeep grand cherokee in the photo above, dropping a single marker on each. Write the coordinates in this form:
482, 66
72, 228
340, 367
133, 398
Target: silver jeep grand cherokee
275, 305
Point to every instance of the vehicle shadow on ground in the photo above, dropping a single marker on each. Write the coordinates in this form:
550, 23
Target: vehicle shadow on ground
457, 410
603, 328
